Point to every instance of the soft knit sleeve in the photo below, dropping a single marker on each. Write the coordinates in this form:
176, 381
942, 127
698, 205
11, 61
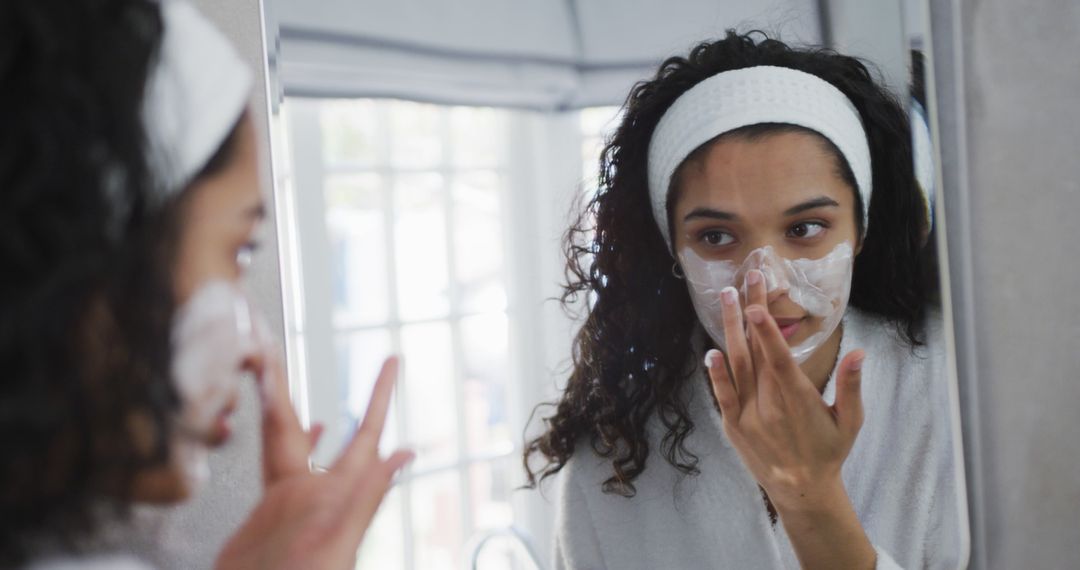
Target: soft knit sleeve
576, 544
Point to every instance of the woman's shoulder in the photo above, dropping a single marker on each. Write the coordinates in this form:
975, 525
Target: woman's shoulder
884, 341
899, 375
585, 469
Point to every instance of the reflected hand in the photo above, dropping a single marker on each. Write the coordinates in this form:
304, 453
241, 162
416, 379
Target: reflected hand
313, 519
790, 440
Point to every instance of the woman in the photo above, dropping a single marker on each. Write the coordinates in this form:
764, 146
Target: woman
129, 199
759, 200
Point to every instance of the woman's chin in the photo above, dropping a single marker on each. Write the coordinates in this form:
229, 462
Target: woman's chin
805, 329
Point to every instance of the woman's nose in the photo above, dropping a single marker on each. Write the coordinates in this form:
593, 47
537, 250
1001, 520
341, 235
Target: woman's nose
773, 269
781, 290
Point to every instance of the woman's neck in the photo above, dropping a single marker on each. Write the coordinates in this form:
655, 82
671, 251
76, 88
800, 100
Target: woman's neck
820, 365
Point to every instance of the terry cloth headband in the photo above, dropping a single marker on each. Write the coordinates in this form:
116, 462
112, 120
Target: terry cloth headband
751, 96
195, 95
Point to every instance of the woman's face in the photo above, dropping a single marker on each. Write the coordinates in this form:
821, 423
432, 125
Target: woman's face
221, 214
218, 221
782, 190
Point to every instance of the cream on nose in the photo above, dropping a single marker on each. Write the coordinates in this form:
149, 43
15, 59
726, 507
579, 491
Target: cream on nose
772, 268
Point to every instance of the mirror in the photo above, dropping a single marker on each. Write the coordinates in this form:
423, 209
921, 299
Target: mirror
428, 160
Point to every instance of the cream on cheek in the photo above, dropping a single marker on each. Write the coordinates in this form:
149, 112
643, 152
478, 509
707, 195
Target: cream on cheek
820, 286
213, 335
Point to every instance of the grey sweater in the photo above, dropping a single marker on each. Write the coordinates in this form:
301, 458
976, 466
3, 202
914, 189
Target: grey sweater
900, 477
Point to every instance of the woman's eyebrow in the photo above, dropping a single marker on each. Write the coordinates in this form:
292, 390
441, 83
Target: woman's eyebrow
821, 202
711, 214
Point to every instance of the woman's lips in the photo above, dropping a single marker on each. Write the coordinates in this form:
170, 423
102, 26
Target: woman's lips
222, 428
221, 431
788, 327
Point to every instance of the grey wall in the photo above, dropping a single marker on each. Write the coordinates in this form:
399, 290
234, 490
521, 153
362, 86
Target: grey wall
1007, 77
193, 533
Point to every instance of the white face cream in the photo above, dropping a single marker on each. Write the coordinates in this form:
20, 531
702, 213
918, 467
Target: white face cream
212, 336
820, 286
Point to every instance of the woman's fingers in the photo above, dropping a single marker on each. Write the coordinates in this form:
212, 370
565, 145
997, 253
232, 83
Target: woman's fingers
773, 345
723, 388
365, 441
756, 291
315, 434
848, 406
738, 353
286, 446
770, 399
372, 485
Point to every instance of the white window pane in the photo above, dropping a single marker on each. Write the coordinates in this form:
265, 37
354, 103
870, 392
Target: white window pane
436, 514
599, 120
490, 484
484, 339
478, 241
477, 137
429, 393
384, 541
416, 141
420, 232
350, 132
360, 358
597, 124
590, 164
355, 222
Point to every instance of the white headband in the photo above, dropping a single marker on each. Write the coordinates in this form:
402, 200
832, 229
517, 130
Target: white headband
198, 90
751, 96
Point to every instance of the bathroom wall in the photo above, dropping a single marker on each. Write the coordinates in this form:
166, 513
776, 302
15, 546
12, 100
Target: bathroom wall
1007, 76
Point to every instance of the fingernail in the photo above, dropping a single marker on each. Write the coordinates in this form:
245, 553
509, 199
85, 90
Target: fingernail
756, 315
856, 365
729, 295
710, 357
753, 277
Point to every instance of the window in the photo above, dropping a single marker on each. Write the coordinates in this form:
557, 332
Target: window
400, 235
597, 124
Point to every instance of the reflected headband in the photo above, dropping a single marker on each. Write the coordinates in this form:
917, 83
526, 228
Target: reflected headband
751, 96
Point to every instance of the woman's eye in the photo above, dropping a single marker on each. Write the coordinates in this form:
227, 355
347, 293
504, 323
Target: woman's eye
806, 230
717, 238
245, 253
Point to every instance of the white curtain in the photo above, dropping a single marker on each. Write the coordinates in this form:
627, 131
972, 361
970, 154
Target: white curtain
538, 54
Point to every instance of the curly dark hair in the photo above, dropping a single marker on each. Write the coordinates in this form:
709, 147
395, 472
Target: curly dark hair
86, 299
631, 356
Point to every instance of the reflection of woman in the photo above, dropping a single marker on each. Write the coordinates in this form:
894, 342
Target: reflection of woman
122, 327
750, 182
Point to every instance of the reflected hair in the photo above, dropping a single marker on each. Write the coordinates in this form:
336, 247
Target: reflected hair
632, 356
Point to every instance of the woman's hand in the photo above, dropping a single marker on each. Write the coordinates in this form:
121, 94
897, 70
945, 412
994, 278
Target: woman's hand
307, 519
790, 440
